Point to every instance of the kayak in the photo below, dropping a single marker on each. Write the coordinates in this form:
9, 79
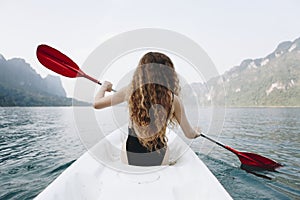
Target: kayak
100, 174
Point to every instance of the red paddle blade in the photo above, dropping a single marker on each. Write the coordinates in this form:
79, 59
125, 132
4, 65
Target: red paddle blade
255, 161
57, 61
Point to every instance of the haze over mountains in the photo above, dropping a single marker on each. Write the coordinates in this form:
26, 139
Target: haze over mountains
20, 85
273, 80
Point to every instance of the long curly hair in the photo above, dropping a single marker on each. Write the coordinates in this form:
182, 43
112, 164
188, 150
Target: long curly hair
153, 87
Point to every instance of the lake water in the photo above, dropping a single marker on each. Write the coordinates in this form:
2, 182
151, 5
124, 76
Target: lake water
38, 144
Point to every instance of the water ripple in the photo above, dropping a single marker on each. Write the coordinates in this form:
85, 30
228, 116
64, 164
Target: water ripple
37, 144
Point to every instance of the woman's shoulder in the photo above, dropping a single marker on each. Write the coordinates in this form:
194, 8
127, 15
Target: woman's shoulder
177, 100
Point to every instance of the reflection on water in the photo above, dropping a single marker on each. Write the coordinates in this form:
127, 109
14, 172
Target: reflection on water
37, 144
33, 143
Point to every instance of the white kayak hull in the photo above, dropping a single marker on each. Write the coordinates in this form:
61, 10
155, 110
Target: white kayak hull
89, 178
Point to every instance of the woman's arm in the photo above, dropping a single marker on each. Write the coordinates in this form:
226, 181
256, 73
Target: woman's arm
102, 101
180, 116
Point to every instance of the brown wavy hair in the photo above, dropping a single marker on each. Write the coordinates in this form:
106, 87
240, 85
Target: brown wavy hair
150, 100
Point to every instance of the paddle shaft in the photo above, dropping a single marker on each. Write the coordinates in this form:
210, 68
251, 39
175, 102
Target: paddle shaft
249, 159
220, 144
212, 140
78, 71
230, 149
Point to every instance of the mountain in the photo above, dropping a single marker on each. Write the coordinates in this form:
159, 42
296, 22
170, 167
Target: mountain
270, 81
20, 85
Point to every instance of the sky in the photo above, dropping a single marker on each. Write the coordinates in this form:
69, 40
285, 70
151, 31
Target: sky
228, 31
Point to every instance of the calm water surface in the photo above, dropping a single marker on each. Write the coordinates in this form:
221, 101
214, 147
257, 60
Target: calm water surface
38, 144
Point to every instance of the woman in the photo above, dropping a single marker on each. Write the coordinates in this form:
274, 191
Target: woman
153, 103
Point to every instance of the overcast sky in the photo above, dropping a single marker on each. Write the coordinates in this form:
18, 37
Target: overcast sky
229, 31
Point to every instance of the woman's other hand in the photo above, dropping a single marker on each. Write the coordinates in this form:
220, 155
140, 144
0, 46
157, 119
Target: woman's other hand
197, 132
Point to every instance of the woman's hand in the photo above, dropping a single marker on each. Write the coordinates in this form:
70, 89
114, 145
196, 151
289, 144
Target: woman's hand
197, 132
102, 101
100, 96
106, 86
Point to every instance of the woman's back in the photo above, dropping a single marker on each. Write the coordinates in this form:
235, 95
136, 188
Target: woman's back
139, 154
152, 105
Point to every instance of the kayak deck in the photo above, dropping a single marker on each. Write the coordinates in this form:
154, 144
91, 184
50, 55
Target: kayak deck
99, 174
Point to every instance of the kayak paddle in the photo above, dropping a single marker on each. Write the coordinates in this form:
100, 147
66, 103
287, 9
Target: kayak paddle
250, 160
63, 65
60, 63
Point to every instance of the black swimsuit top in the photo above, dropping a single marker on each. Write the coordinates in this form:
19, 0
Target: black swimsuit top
139, 155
